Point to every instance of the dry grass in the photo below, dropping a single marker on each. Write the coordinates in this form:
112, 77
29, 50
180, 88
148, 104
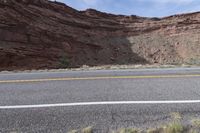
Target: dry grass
87, 130
129, 130
73, 131
154, 130
176, 116
196, 123
84, 130
175, 126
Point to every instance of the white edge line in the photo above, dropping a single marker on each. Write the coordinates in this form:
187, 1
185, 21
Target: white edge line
97, 103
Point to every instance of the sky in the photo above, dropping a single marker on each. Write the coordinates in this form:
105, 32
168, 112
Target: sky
145, 8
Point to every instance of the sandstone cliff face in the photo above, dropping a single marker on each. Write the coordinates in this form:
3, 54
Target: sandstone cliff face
38, 34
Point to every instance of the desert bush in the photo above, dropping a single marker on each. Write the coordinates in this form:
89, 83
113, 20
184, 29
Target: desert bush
64, 61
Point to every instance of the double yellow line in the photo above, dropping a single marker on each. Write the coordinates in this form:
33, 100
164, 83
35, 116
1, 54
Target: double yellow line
100, 78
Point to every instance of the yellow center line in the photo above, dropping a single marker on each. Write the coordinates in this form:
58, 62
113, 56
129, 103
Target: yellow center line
99, 78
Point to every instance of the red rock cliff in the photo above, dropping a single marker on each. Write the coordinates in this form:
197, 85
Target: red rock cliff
37, 34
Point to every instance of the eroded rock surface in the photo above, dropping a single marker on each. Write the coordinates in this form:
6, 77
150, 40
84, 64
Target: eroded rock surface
39, 34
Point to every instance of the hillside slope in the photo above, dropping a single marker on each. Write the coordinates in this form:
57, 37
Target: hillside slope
38, 34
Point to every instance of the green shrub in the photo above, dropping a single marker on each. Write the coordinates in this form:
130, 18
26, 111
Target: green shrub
64, 62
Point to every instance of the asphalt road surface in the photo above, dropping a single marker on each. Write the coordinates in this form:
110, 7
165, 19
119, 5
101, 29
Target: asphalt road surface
105, 99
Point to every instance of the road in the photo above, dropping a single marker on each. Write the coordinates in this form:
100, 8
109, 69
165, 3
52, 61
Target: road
104, 99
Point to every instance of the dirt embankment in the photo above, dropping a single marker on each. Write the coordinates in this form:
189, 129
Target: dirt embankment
38, 34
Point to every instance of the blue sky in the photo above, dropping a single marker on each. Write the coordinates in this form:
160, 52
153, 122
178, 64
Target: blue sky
148, 8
